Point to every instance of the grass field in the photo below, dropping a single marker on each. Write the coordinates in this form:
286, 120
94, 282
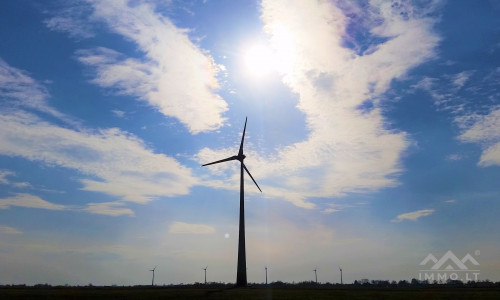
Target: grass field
246, 293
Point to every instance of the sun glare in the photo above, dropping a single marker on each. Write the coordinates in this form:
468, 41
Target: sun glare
259, 60
279, 56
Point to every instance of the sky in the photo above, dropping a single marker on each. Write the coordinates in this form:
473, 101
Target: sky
373, 131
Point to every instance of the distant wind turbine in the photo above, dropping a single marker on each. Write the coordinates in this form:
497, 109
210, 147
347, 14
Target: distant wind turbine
340, 275
241, 274
316, 275
153, 280
205, 274
266, 275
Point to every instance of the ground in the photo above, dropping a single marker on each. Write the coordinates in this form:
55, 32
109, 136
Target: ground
245, 293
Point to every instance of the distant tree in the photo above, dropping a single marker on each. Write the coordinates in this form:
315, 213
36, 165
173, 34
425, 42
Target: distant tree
403, 283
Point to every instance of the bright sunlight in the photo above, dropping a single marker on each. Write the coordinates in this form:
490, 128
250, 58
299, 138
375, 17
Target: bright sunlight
261, 60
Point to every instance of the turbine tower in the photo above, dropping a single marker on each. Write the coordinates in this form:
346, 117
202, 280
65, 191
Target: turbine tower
316, 275
153, 280
340, 275
266, 275
241, 274
205, 274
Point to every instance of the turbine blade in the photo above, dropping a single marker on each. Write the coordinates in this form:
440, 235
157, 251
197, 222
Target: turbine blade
240, 152
251, 176
222, 160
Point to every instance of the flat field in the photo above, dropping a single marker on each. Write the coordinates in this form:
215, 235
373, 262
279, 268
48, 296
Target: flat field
77, 293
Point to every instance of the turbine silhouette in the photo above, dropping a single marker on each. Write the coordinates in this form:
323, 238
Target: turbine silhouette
341, 275
205, 269
153, 280
316, 275
241, 274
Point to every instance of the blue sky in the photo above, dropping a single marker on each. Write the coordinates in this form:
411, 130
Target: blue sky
373, 131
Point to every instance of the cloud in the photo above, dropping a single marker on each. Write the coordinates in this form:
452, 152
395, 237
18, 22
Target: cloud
414, 215
3, 176
451, 201
118, 113
3, 180
70, 19
108, 208
18, 89
9, 230
461, 78
30, 201
350, 146
454, 157
187, 228
109, 161
175, 75
334, 207
112, 161
483, 129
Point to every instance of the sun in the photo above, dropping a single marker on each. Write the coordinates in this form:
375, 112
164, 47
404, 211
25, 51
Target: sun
277, 55
259, 60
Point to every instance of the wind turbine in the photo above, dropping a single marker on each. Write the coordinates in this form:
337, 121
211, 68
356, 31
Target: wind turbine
205, 274
266, 274
153, 280
241, 274
340, 275
316, 275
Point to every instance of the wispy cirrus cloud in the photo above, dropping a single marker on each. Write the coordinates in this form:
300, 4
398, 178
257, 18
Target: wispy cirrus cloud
4, 180
484, 130
112, 161
72, 19
414, 215
113, 209
350, 147
3, 176
19, 90
30, 201
175, 75
109, 161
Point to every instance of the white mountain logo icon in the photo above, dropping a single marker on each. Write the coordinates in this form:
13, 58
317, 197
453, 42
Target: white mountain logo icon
449, 259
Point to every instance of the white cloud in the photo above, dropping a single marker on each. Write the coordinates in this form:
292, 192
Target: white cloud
175, 76
72, 19
108, 208
18, 89
113, 162
9, 230
454, 157
414, 215
118, 113
3, 180
485, 130
187, 228
334, 207
27, 200
3, 176
348, 149
451, 201
461, 78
